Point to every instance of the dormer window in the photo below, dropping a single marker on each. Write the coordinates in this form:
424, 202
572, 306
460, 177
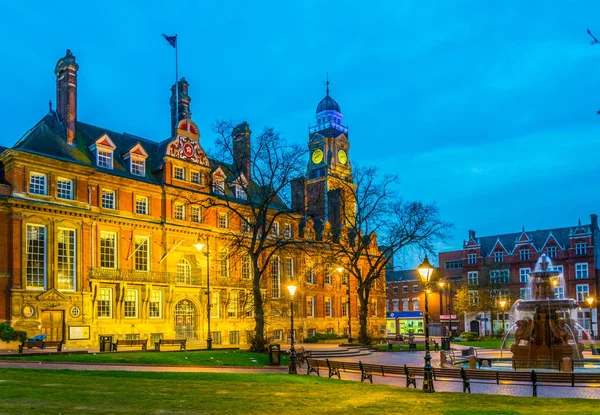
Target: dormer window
138, 167
137, 160
104, 148
105, 159
240, 193
179, 173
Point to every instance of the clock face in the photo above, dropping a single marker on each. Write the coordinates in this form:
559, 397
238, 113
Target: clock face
317, 156
342, 157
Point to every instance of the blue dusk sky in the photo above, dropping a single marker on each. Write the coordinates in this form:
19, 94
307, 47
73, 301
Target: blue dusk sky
486, 108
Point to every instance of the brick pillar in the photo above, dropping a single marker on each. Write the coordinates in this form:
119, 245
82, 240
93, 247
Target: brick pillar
16, 243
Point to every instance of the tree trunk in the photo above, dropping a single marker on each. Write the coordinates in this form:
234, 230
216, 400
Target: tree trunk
363, 312
258, 342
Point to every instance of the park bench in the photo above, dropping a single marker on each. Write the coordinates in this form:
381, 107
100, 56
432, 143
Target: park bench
440, 373
314, 366
129, 343
170, 342
44, 344
301, 355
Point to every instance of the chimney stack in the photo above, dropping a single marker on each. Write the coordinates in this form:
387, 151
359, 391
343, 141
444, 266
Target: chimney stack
66, 93
241, 149
594, 221
472, 234
183, 105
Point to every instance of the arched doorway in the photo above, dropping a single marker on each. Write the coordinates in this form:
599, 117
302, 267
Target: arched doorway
475, 326
185, 320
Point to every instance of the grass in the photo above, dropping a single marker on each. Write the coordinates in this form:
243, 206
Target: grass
92, 392
487, 344
199, 358
399, 347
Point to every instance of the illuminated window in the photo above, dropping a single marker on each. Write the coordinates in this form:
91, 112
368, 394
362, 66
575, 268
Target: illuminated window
155, 304
142, 253
327, 276
108, 199
108, 250
36, 257
223, 220
215, 304
179, 211
196, 214
328, 308
196, 177
473, 278
131, 303
289, 268
275, 278
141, 205
287, 232
275, 229
179, 173
138, 167
232, 305
66, 259
310, 307
104, 303
583, 292
224, 263
184, 272
246, 267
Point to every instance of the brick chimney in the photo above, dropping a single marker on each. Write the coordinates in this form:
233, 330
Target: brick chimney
183, 105
472, 234
594, 221
241, 149
66, 93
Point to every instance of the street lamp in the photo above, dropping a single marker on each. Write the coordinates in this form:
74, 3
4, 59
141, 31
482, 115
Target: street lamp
292, 366
590, 301
426, 269
441, 285
200, 246
502, 305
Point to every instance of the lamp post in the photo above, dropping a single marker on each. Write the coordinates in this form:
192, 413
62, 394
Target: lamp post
441, 285
292, 366
341, 270
426, 269
199, 246
502, 304
590, 301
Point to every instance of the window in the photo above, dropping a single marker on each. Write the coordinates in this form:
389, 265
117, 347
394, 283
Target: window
179, 173
142, 253
311, 332
453, 264
345, 278
327, 276
108, 199
232, 305
104, 303
240, 193
328, 309
277, 335
583, 292
246, 225
138, 167
395, 290
64, 189
215, 305
219, 186
524, 254
196, 213
472, 258
216, 337
156, 304
131, 307
473, 297
498, 256
246, 267
499, 276
224, 263
132, 336
374, 307
287, 230
66, 259
580, 248
275, 231
581, 270
234, 337
405, 304
559, 292
310, 274
275, 278
196, 177
415, 288
395, 305
105, 159
558, 268
345, 307
249, 304
524, 274
179, 212
415, 304
36, 257
37, 183
551, 252
289, 268
184, 272
223, 220
405, 289
108, 250
525, 293
473, 278
141, 205
310, 306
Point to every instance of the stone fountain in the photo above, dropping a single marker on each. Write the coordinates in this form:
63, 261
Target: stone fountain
543, 336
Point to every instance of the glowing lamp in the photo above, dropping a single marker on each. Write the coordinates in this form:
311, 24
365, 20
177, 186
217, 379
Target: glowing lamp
339, 269
425, 270
198, 245
291, 289
590, 300
502, 304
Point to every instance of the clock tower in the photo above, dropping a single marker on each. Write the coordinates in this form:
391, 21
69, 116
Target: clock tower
329, 184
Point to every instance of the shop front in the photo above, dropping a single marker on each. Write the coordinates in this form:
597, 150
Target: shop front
405, 322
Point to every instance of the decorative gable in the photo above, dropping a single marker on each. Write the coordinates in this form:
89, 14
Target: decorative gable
498, 247
104, 143
52, 295
186, 145
551, 241
137, 152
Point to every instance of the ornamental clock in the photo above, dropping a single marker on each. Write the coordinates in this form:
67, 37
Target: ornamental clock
342, 157
317, 156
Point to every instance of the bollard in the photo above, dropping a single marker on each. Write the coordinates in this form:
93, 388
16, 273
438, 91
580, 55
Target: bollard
472, 362
567, 364
442, 358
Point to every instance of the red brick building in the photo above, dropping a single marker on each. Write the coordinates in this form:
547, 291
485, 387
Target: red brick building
506, 261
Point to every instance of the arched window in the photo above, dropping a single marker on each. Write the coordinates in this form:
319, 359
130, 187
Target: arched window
184, 272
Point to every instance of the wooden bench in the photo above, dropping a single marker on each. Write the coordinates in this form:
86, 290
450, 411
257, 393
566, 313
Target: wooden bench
440, 373
314, 366
301, 355
44, 344
129, 343
170, 342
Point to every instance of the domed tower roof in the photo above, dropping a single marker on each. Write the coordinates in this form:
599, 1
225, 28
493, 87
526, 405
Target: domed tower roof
328, 104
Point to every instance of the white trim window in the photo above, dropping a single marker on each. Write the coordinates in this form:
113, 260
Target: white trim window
374, 307
240, 193
345, 307
277, 335
36, 257
327, 279
179, 173
524, 275
275, 278
310, 274
138, 166
37, 183
551, 252
524, 254
583, 292
580, 248
287, 231
405, 304
405, 289
184, 272
328, 308
415, 304
559, 292
289, 268
395, 305
179, 211
108, 250
215, 305
142, 253
131, 303
581, 270
224, 269
104, 303
223, 220
472, 258
246, 267
196, 177
66, 259
415, 288
498, 256
525, 293
104, 159
473, 278
64, 188
155, 304
232, 304
275, 229
219, 186
473, 297
500, 276
141, 205
310, 307
196, 214
108, 199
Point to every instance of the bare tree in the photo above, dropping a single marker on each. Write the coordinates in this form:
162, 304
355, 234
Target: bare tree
374, 226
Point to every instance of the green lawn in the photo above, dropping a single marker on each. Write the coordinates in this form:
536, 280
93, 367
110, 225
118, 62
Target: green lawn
399, 347
487, 344
92, 392
200, 358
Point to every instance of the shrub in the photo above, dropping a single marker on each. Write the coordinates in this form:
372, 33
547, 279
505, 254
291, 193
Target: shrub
7, 333
469, 336
322, 336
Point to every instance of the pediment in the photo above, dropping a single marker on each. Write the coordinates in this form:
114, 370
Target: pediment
187, 149
52, 295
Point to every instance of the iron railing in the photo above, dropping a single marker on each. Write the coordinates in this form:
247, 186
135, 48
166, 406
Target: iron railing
128, 275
